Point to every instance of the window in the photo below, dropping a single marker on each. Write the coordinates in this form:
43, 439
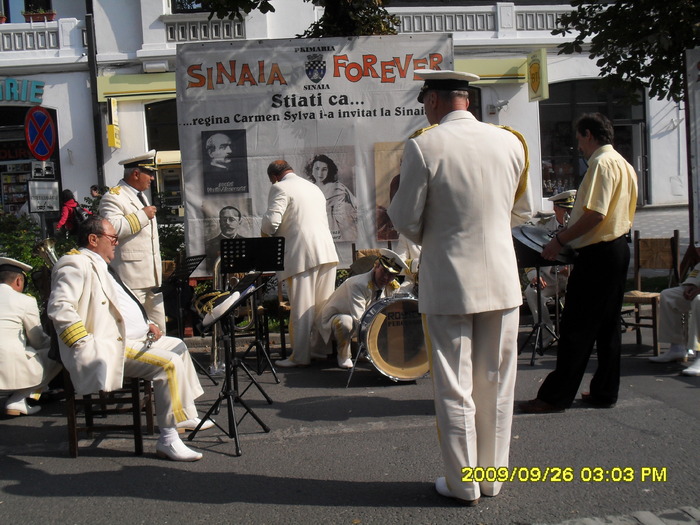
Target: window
190, 6
562, 165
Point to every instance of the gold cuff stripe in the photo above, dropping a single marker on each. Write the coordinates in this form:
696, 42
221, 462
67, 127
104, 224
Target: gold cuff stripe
73, 333
134, 223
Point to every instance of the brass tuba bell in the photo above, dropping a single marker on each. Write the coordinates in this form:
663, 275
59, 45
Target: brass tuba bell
46, 249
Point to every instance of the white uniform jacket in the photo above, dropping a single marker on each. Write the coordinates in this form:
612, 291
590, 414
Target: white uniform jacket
84, 308
458, 208
137, 259
352, 297
24, 346
296, 210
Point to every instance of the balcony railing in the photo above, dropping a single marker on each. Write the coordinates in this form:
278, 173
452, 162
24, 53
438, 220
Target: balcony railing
65, 37
195, 27
489, 22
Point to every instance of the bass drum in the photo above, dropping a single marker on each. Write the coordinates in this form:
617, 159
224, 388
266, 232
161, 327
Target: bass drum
391, 331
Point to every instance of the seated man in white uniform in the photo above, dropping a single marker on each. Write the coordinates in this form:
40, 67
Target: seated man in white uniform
104, 336
341, 314
553, 279
677, 302
25, 366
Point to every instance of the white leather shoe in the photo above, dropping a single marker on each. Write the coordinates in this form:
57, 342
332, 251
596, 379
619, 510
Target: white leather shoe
693, 370
344, 363
675, 353
191, 424
288, 363
177, 451
20, 408
442, 489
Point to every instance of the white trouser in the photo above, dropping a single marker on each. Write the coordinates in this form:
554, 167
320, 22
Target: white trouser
473, 366
153, 304
671, 327
308, 292
169, 365
343, 330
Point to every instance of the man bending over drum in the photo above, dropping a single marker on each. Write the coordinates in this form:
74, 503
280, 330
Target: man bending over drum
341, 314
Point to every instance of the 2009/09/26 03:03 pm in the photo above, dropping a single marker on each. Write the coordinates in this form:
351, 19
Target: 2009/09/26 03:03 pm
565, 474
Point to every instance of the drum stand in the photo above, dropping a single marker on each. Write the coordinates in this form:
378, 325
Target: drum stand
230, 389
539, 326
360, 349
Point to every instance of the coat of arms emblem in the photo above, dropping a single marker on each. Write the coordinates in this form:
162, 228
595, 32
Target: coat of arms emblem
315, 68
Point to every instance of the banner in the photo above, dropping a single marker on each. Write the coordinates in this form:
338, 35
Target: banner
337, 109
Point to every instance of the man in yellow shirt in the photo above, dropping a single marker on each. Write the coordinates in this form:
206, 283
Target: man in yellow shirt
602, 216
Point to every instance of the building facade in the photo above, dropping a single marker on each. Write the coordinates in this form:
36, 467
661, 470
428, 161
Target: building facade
104, 73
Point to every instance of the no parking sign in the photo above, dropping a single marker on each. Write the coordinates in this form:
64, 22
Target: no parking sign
40, 132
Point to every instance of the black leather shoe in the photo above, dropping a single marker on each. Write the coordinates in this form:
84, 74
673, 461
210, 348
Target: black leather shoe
588, 399
537, 406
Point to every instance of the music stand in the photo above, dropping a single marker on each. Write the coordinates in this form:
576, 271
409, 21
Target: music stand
529, 241
178, 279
256, 254
230, 388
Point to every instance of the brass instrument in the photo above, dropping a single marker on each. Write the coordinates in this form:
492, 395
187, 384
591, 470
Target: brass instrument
216, 361
46, 249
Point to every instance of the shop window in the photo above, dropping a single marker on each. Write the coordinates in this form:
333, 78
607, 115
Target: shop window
161, 125
190, 6
562, 165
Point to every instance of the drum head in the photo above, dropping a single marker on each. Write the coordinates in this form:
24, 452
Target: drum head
394, 339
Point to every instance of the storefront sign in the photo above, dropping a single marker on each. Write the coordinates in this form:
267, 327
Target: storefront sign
21, 90
537, 81
43, 196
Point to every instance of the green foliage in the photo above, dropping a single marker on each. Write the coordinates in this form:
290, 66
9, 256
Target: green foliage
353, 18
18, 238
636, 43
340, 17
172, 240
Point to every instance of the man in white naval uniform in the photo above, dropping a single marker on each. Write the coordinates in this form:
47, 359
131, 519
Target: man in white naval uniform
553, 279
25, 366
137, 260
461, 183
104, 335
296, 210
677, 302
342, 312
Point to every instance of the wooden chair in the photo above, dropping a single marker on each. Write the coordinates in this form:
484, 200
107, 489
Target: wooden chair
651, 254
103, 404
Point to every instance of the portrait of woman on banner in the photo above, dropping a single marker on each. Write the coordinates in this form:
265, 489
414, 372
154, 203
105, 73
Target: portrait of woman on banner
341, 204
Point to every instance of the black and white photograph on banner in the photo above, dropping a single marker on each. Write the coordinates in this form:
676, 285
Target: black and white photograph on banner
333, 172
232, 221
224, 161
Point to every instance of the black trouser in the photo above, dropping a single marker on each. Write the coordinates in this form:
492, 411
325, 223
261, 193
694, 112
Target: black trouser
591, 316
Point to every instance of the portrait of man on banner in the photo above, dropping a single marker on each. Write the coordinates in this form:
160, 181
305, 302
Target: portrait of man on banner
336, 181
231, 222
224, 162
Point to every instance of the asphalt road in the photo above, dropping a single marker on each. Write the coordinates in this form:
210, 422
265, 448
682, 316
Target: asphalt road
367, 454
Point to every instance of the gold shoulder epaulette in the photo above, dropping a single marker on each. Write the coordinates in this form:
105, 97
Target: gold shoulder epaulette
74, 251
116, 190
421, 131
395, 284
